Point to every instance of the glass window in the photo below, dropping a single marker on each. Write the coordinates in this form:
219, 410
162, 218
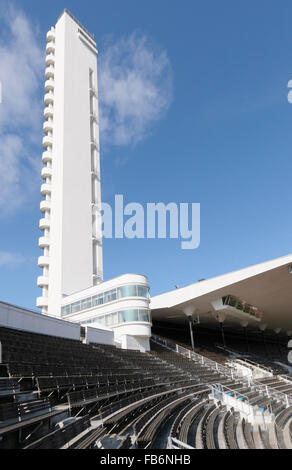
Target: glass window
129, 316
144, 315
66, 310
97, 300
115, 318
76, 307
100, 320
128, 291
142, 291
86, 303
110, 296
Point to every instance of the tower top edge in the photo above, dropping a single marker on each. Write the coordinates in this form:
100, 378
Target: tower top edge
66, 11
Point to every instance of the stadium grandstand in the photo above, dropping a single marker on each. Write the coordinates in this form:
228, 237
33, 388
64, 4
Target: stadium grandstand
103, 365
209, 383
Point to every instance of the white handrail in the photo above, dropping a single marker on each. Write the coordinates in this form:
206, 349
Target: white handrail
174, 443
234, 374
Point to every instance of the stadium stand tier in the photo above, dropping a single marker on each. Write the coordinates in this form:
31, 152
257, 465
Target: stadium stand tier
58, 393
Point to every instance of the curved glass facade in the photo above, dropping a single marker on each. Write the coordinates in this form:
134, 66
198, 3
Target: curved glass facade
122, 316
106, 297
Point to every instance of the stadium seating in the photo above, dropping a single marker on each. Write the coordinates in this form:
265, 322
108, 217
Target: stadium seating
58, 393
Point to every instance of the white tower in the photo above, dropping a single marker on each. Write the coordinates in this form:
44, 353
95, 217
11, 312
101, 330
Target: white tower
72, 241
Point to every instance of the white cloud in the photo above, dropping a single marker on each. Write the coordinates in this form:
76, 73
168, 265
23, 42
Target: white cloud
135, 86
21, 67
135, 92
10, 259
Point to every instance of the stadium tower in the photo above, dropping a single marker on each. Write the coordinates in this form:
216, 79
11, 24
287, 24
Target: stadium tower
72, 242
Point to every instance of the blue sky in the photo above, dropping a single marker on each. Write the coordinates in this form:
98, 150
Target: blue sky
221, 137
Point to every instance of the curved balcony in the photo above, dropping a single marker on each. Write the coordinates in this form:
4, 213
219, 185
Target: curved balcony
45, 206
50, 47
50, 59
42, 302
44, 242
43, 261
46, 189
49, 84
51, 35
47, 172
48, 126
47, 157
49, 98
49, 112
50, 72
45, 224
43, 281
47, 141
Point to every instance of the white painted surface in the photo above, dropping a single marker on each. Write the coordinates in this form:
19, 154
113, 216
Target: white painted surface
135, 343
99, 335
207, 286
21, 319
71, 230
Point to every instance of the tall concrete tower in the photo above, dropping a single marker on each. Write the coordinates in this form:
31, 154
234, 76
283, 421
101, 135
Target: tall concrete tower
72, 241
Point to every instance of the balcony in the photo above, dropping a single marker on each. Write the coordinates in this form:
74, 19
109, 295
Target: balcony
50, 59
43, 261
49, 84
50, 47
94, 145
51, 35
93, 117
48, 126
49, 112
45, 224
42, 302
47, 172
44, 242
231, 306
46, 189
47, 141
45, 206
47, 157
49, 98
92, 91
50, 72
43, 281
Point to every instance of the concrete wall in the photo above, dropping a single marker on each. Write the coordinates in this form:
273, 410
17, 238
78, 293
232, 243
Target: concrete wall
134, 342
99, 336
21, 319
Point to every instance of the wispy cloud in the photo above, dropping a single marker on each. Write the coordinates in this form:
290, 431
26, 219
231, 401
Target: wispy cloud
21, 67
135, 92
135, 81
10, 259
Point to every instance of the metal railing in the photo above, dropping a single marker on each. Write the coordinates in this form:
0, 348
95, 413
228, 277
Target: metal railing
174, 443
267, 391
199, 359
240, 403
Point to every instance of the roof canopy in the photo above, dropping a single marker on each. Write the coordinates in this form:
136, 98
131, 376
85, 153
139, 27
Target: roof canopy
266, 286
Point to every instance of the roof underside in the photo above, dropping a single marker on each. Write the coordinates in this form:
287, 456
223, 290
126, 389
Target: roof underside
267, 286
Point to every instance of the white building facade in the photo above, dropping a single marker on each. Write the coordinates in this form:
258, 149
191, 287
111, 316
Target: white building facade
121, 304
72, 242
72, 279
